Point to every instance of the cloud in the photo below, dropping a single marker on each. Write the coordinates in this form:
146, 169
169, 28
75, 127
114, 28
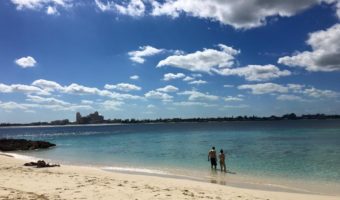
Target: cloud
158, 95
89, 102
289, 97
241, 14
49, 5
191, 103
150, 106
28, 89
188, 78
325, 54
52, 11
75, 88
47, 85
13, 106
46, 100
54, 106
231, 98
168, 88
272, 88
228, 86
255, 72
134, 77
134, 8
221, 62
83, 90
111, 105
109, 6
145, 51
198, 96
5, 88
126, 87
198, 82
317, 93
26, 62
171, 76
202, 61
235, 106
264, 88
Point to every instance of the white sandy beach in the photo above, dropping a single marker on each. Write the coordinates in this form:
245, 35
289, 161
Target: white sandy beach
74, 182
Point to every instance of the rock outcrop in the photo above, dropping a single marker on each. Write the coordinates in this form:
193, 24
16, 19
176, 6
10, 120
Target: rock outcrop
40, 164
22, 144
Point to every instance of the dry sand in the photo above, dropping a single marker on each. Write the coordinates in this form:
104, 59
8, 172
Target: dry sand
74, 182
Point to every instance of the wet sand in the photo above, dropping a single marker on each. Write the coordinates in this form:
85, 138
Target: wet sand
74, 182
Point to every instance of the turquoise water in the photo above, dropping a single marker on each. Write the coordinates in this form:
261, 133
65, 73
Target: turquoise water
295, 150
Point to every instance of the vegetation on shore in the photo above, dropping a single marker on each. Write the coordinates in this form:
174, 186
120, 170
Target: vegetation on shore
97, 119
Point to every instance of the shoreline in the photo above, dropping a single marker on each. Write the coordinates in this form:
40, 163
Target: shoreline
83, 171
245, 181
170, 122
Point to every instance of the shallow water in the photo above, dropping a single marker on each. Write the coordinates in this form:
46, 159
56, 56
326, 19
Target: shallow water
292, 150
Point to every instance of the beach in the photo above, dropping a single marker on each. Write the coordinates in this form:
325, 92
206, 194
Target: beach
79, 182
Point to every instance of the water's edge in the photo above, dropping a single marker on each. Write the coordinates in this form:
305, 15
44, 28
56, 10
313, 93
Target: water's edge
246, 182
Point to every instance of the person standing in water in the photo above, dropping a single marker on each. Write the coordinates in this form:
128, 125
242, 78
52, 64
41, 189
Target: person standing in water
212, 158
221, 156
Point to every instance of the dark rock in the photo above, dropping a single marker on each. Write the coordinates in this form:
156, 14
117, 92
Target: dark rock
21, 144
40, 164
29, 164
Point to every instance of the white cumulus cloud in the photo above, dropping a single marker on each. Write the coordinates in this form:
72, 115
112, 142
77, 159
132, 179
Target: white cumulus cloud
198, 82
26, 62
241, 14
144, 51
158, 95
198, 96
20, 88
290, 91
47, 100
168, 88
47, 85
171, 76
203, 61
134, 77
49, 5
231, 98
290, 97
52, 10
111, 105
255, 72
193, 103
134, 8
325, 54
126, 87
264, 88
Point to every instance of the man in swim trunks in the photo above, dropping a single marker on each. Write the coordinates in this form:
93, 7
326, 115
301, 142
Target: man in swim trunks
212, 158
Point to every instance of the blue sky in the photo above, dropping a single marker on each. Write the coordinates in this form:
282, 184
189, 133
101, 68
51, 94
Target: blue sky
178, 58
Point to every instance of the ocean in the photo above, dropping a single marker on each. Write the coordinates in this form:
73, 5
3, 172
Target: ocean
270, 152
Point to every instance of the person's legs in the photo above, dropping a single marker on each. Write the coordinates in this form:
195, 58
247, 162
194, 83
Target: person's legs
213, 163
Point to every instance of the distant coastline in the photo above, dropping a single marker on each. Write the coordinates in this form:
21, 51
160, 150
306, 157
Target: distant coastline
96, 119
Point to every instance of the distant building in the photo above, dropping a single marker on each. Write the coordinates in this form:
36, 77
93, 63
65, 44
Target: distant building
93, 118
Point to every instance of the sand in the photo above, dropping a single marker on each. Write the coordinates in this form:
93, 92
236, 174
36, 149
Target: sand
75, 182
